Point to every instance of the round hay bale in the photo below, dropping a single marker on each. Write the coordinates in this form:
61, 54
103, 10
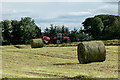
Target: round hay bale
92, 51
37, 43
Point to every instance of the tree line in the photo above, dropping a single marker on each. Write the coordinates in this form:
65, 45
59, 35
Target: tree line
97, 27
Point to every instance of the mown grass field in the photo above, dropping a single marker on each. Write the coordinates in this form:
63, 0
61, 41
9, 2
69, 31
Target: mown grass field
22, 61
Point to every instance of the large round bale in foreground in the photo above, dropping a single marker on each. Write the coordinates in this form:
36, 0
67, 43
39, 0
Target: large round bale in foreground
37, 43
92, 51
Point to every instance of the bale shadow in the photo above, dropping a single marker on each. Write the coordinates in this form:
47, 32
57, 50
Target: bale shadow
73, 63
81, 77
18, 47
66, 64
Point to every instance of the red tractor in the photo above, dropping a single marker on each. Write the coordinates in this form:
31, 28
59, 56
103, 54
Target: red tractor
56, 40
60, 38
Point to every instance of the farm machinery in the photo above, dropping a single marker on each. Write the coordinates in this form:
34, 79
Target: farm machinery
56, 40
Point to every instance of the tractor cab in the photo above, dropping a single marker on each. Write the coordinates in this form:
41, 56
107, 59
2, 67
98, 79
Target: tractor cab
59, 35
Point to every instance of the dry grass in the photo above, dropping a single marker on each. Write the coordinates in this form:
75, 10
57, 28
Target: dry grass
21, 61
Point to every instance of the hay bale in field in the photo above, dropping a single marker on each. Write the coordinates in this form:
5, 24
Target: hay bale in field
92, 51
37, 43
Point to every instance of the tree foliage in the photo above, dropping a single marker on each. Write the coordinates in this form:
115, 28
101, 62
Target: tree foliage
6, 30
102, 26
18, 32
29, 29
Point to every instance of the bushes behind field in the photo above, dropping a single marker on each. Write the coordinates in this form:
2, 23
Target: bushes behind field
114, 42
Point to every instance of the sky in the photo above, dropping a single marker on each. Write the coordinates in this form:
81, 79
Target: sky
70, 14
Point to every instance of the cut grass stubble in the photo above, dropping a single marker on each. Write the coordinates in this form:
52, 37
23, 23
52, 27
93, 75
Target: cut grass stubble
55, 62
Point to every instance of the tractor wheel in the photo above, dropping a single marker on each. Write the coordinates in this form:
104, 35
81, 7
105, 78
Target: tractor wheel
58, 41
67, 41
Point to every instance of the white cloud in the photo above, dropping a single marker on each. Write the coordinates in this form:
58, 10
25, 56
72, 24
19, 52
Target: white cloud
107, 9
15, 13
79, 13
60, 0
71, 15
110, 0
73, 19
0, 10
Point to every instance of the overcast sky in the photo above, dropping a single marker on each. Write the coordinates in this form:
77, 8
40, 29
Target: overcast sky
70, 14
